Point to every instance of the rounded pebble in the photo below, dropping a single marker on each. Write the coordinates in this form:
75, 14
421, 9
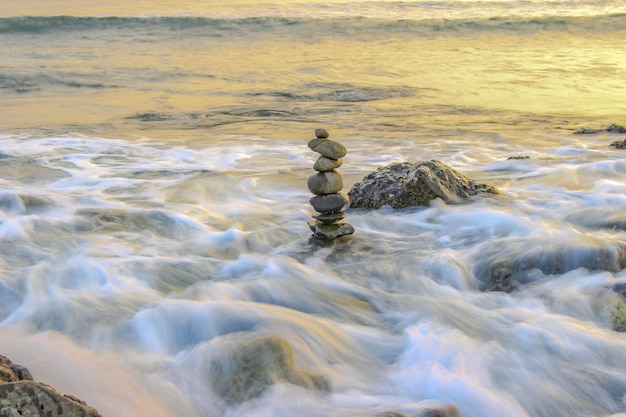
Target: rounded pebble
325, 183
330, 203
324, 164
321, 133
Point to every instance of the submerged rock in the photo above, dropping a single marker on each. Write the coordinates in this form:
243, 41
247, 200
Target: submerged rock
21, 396
506, 270
618, 308
620, 144
249, 367
406, 184
425, 411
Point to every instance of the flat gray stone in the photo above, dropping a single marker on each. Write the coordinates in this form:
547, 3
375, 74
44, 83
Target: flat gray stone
315, 142
328, 148
323, 183
330, 218
330, 203
324, 164
330, 231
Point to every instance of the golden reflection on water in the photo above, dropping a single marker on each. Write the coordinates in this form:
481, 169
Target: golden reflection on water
558, 74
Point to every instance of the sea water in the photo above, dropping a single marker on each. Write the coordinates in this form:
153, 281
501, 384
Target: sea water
153, 202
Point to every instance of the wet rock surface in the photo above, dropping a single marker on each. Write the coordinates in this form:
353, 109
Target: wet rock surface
425, 411
20, 395
407, 184
508, 269
248, 368
613, 128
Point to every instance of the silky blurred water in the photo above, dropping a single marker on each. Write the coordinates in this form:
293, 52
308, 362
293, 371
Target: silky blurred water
154, 208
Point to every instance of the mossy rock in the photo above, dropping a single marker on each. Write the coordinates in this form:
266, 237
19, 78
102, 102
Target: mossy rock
247, 368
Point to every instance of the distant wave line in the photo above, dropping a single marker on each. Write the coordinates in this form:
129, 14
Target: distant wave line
205, 26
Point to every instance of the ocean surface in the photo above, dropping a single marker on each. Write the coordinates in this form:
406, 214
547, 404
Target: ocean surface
154, 207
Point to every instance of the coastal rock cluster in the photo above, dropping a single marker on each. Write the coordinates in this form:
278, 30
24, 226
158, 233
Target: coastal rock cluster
614, 128
20, 395
326, 185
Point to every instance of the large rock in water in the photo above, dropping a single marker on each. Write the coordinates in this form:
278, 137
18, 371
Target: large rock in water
406, 184
247, 368
507, 267
21, 396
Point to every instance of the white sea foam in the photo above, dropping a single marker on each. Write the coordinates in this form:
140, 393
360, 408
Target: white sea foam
154, 207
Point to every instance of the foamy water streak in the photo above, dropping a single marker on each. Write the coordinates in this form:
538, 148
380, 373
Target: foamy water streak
155, 258
153, 205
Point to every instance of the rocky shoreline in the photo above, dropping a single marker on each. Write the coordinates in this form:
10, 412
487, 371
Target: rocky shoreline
21, 395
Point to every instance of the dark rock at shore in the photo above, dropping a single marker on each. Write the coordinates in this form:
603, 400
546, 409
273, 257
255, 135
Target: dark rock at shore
406, 184
249, 367
614, 128
507, 269
620, 144
20, 395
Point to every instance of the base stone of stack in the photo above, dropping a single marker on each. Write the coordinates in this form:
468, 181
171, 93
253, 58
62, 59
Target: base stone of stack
330, 231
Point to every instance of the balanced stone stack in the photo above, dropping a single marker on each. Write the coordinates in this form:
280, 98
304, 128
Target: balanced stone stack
326, 184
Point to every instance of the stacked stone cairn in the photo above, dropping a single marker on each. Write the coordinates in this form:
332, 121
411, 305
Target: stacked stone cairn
326, 184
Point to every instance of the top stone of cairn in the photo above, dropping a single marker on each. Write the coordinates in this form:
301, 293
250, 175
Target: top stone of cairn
321, 133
